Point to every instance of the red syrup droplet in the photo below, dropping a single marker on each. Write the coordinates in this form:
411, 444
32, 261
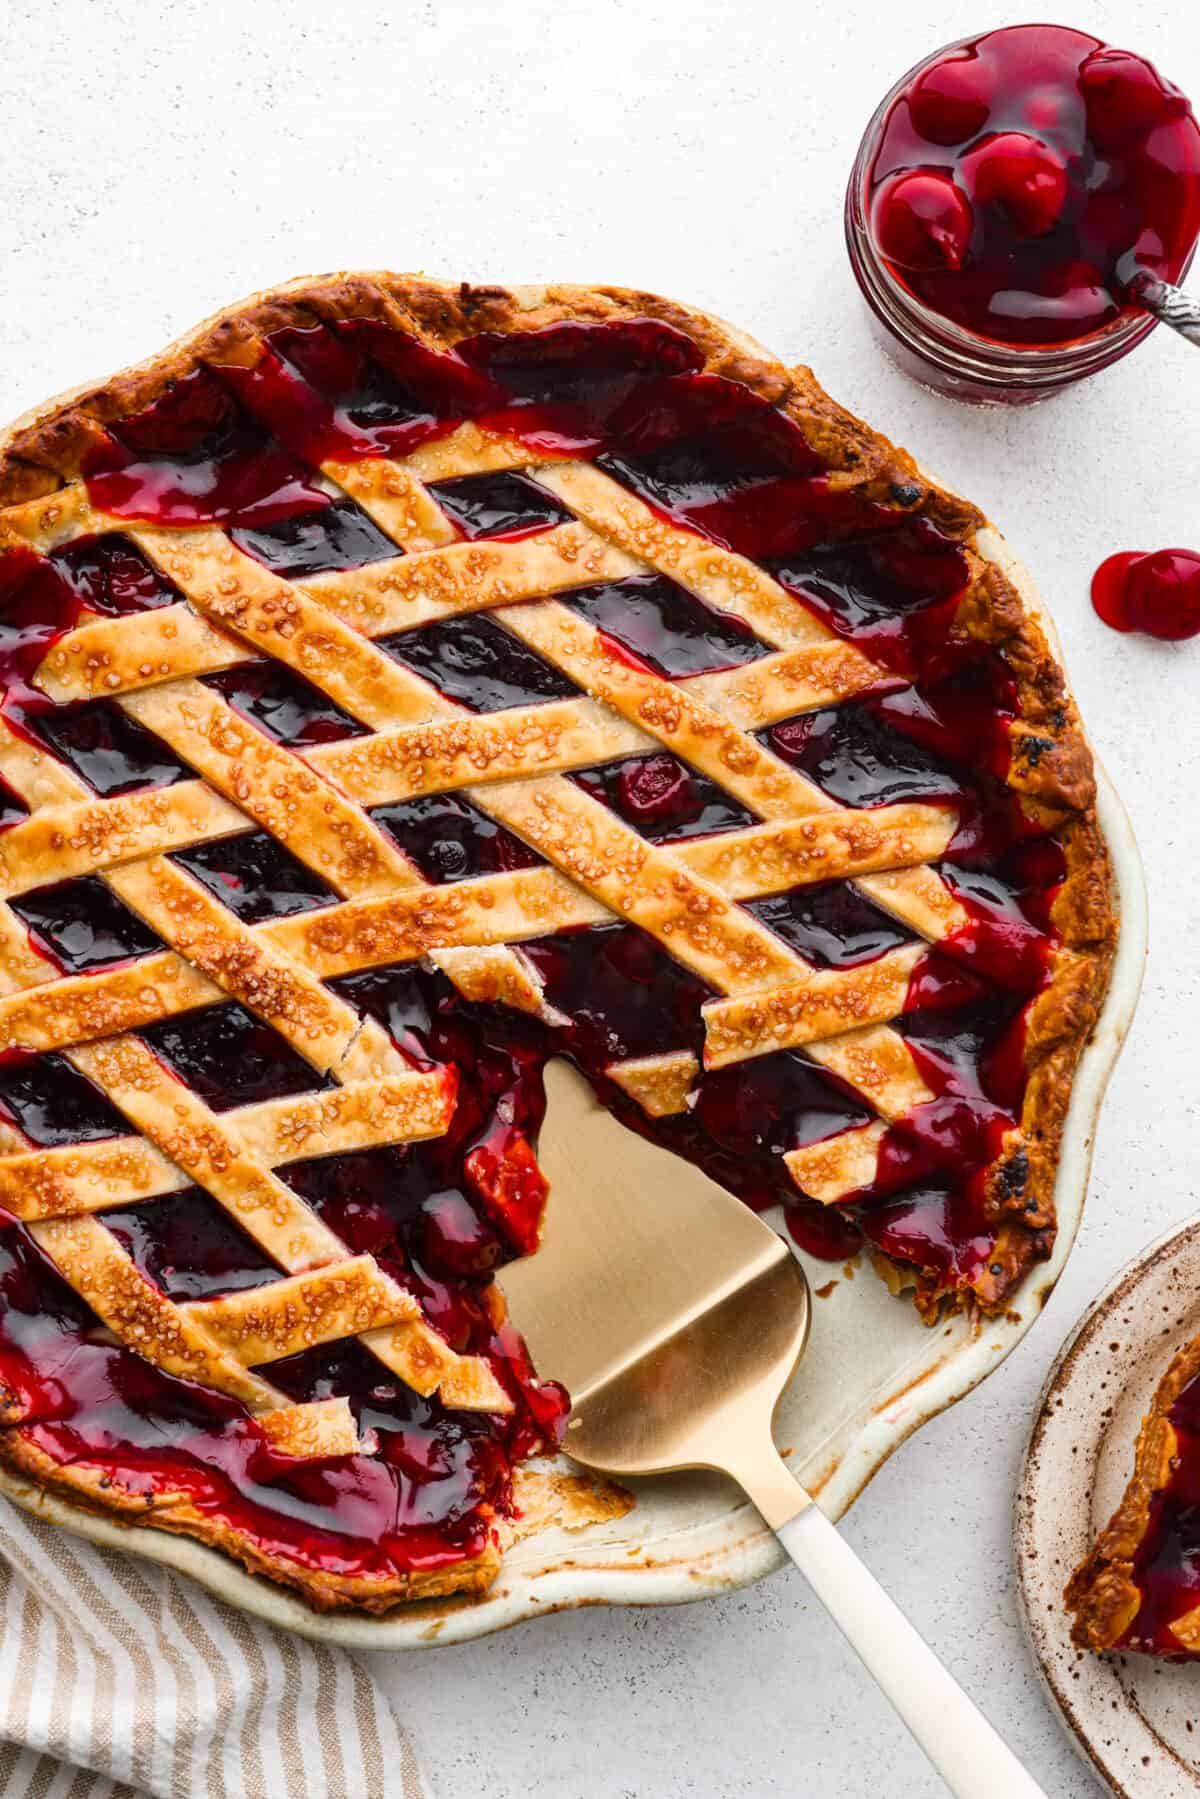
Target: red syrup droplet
1157, 592
1039, 167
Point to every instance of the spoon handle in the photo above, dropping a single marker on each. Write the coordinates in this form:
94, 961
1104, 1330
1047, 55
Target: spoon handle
1170, 305
971, 1758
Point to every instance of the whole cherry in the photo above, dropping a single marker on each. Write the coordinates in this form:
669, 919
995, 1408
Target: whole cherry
923, 220
1125, 98
1022, 175
657, 790
1158, 593
949, 103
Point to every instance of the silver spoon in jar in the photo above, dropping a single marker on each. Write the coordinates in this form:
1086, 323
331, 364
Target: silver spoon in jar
1166, 302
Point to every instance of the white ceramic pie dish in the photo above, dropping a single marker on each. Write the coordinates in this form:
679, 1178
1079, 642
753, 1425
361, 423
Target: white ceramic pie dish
872, 1375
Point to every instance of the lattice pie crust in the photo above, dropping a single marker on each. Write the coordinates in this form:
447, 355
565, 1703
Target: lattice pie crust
513, 766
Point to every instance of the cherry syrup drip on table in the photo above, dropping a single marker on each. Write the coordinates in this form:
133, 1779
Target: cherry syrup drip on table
1021, 180
239, 447
1157, 592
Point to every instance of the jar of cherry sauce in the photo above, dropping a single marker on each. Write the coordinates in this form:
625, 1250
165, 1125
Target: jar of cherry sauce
1005, 192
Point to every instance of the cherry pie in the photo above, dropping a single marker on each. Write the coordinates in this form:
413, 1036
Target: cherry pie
404, 684
1140, 1586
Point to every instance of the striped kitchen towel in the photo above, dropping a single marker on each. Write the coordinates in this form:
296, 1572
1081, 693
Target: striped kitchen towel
118, 1679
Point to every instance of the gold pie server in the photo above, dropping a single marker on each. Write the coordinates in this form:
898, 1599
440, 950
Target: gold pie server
675, 1318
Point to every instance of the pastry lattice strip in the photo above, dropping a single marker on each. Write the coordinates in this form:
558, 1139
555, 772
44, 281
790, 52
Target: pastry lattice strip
183, 1141
808, 1033
368, 686
91, 660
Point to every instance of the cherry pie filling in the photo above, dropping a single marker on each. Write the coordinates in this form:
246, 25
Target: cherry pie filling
1024, 179
239, 446
1166, 1569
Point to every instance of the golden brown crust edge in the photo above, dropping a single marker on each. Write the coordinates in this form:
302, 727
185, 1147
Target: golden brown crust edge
1052, 764
93, 1491
1102, 1593
47, 447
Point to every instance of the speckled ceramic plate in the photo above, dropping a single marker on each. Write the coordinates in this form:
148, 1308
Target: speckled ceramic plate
1133, 1717
873, 1374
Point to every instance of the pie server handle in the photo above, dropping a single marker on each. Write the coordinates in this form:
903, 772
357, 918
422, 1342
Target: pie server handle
971, 1758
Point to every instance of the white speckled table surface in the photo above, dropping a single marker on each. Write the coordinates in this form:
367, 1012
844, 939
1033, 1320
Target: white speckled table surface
178, 155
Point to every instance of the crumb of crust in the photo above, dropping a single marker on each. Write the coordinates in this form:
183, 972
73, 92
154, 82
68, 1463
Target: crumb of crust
545, 1498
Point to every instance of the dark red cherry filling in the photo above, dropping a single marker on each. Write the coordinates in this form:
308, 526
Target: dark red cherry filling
194, 455
239, 448
315, 543
111, 575
256, 877
1022, 179
477, 663
229, 1057
284, 705
449, 839
1021, 176
662, 798
893, 591
53, 1103
1157, 592
83, 925
664, 627
112, 752
502, 504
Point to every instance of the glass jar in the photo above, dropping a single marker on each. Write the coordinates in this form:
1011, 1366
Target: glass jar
937, 351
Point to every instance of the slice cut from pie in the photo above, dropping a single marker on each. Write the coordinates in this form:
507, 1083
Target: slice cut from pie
1140, 1586
404, 684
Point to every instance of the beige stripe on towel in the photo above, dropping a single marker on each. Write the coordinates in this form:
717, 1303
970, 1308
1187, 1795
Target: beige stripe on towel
119, 1680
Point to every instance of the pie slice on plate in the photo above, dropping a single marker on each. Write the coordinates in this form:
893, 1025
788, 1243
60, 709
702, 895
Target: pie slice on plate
1140, 1586
404, 684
